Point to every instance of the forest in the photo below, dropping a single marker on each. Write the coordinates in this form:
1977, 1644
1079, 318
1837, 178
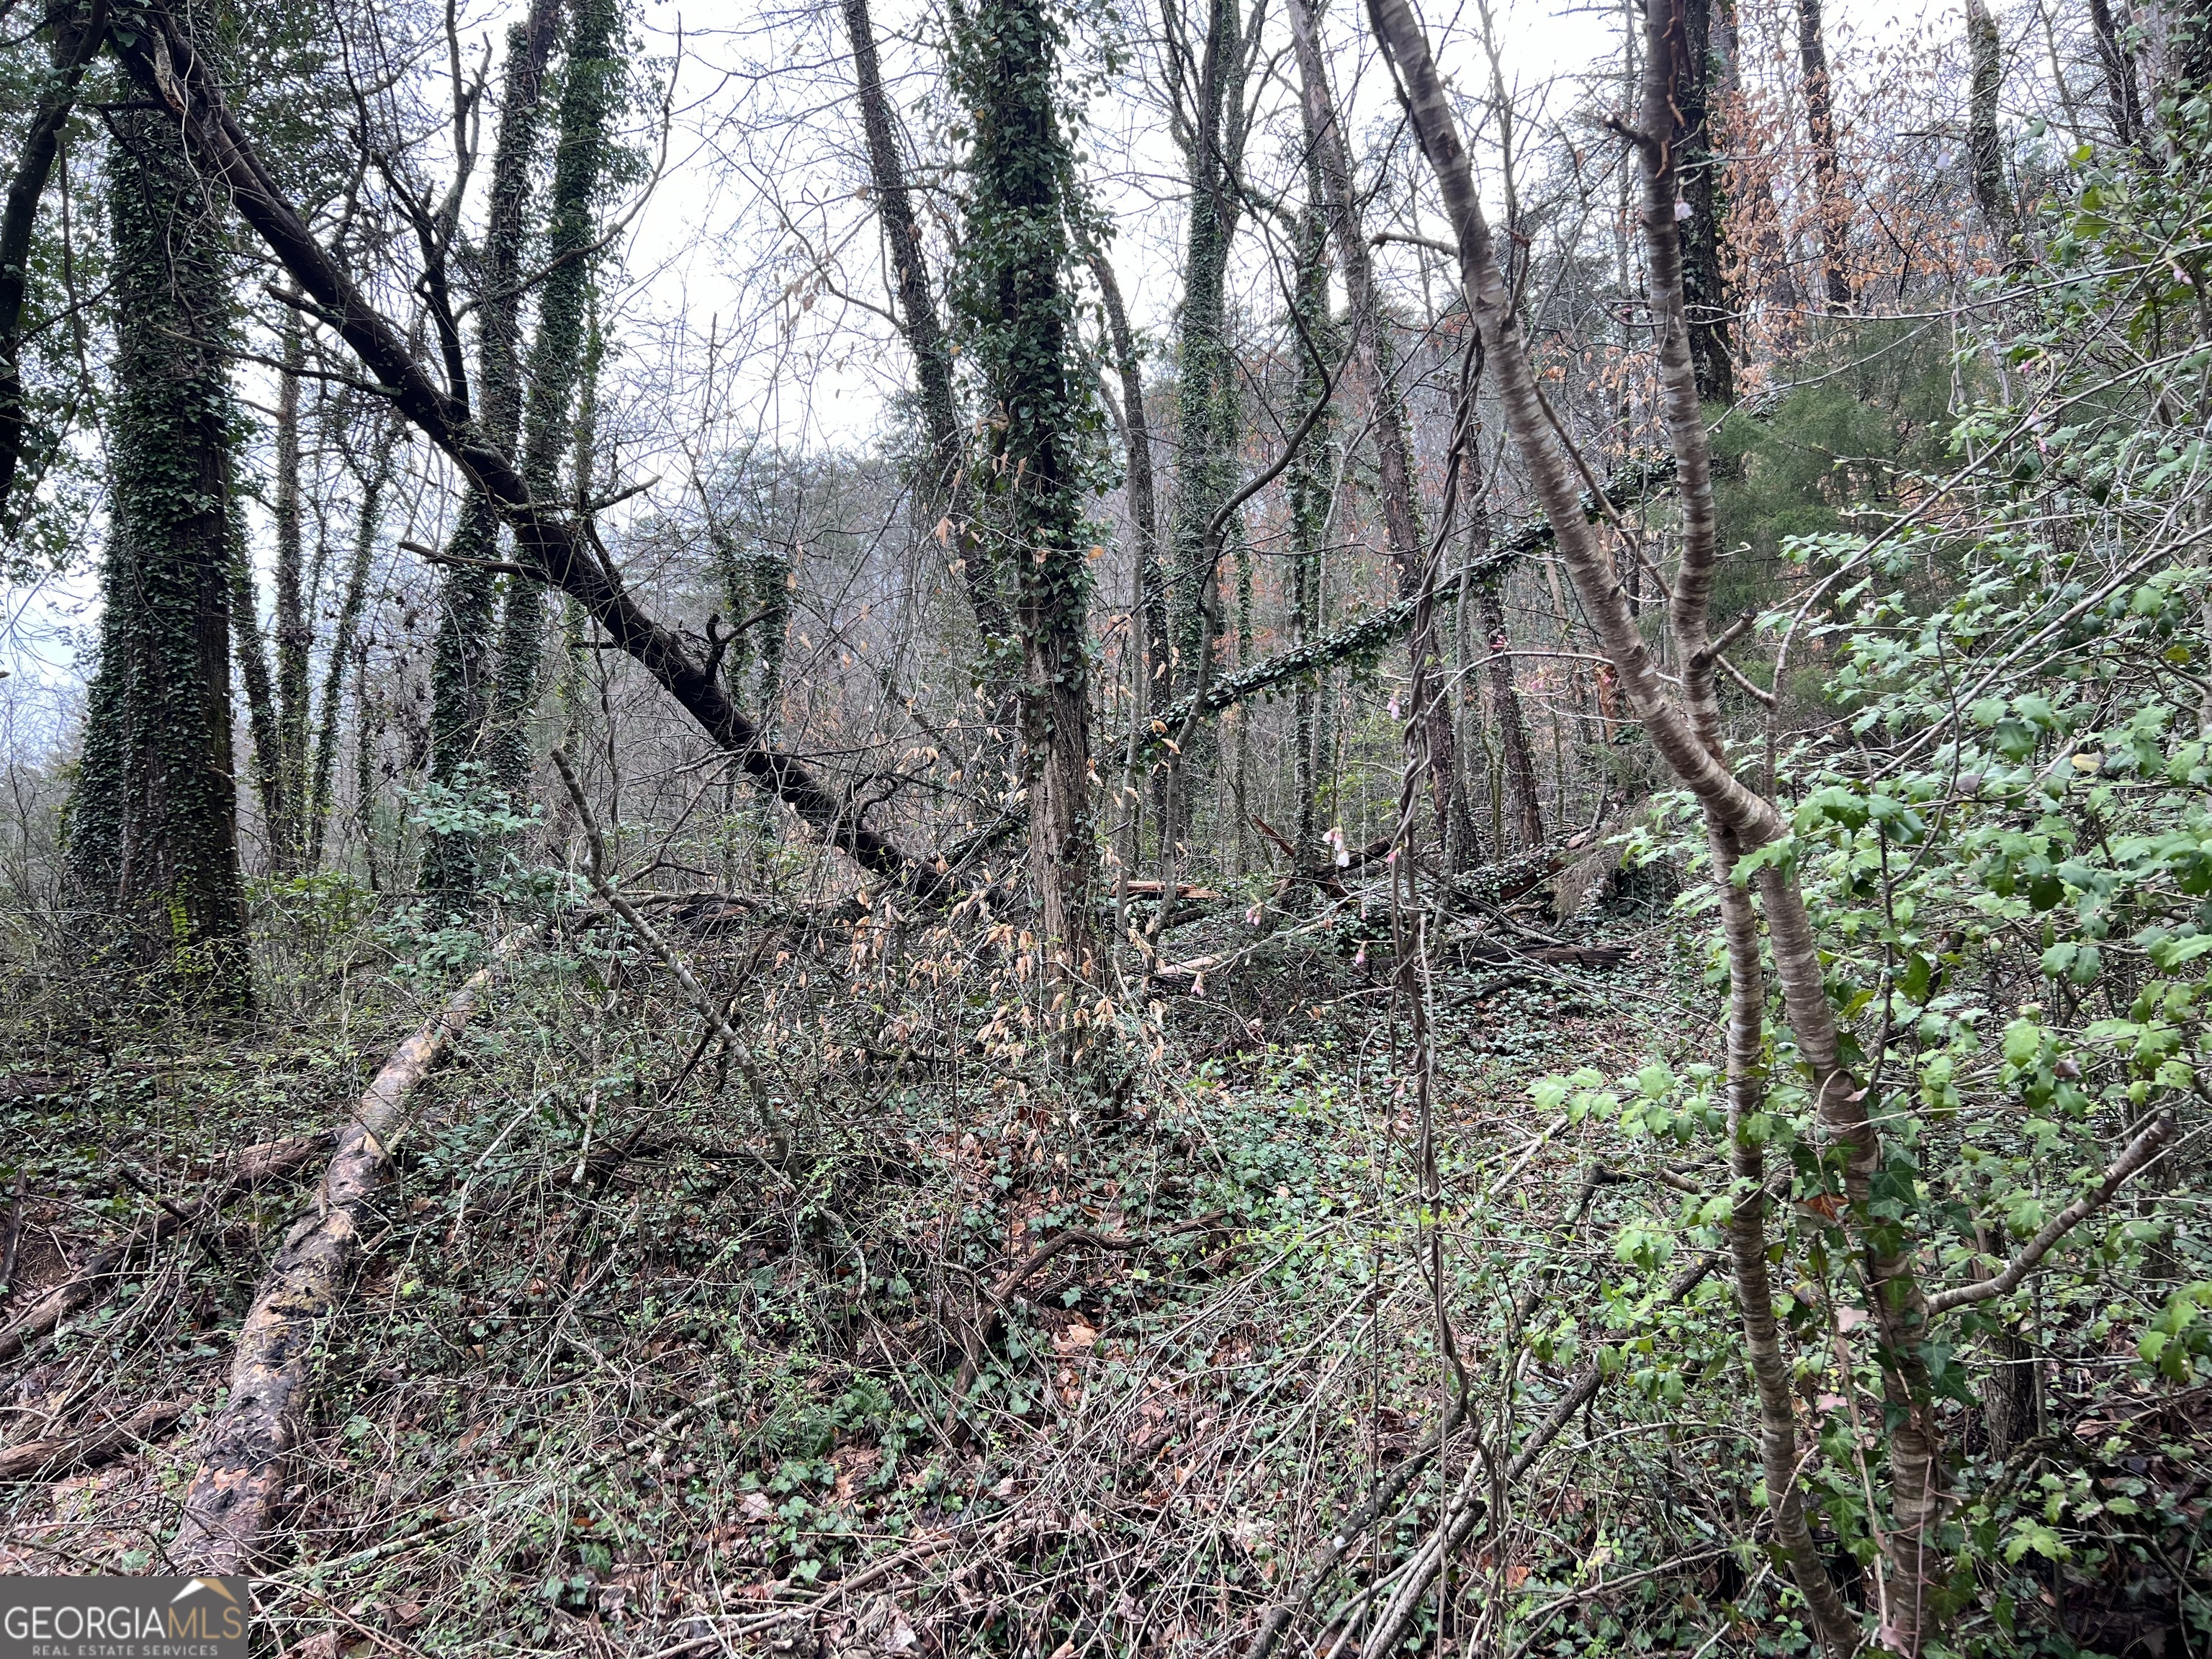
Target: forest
1042, 828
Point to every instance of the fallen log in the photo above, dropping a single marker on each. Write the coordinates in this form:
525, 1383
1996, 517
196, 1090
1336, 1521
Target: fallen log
52, 1458
252, 1166
244, 1454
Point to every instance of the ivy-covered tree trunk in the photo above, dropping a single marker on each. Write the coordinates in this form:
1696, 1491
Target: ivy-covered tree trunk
152, 848
295, 635
1705, 281
1207, 428
1984, 149
943, 495
1307, 484
590, 85
462, 664
1020, 311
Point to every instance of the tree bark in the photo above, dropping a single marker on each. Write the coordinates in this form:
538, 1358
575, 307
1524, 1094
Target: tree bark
74, 40
294, 635
590, 85
1778, 1456
1985, 151
366, 522
1017, 309
1518, 759
247, 1447
1308, 485
1828, 170
2123, 88
1704, 282
1207, 421
1143, 497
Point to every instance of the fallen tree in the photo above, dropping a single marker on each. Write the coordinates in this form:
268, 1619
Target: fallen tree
52, 1458
1368, 635
247, 1446
549, 548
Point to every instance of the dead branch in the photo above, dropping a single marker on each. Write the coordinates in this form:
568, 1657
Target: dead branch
252, 1166
247, 1448
973, 1341
50, 1459
710, 1010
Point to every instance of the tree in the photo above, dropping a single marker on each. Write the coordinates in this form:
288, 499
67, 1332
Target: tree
1411, 557
1018, 308
462, 670
1207, 80
1686, 732
943, 494
1828, 170
153, 846
591, 93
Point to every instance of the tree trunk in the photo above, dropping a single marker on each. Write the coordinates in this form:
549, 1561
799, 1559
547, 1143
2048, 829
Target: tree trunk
1685, 735
246, 1450
1985, 151
1517, 761
253, 653
1147, 647
591, 88
1208, 420
1827, 171
1308, 485
374, 482
75, 38
1408, 537
943, 496
1704, 282
2122, 89
294, 635
152, 853
1017, 310
462, 659
1144, 498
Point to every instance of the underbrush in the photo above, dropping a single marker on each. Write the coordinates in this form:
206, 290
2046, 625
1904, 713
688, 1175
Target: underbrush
615, 1378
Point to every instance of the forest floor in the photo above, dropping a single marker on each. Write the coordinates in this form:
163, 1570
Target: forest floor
612, 1379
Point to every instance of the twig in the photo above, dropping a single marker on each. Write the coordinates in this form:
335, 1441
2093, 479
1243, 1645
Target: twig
710, 1010
973, 1341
